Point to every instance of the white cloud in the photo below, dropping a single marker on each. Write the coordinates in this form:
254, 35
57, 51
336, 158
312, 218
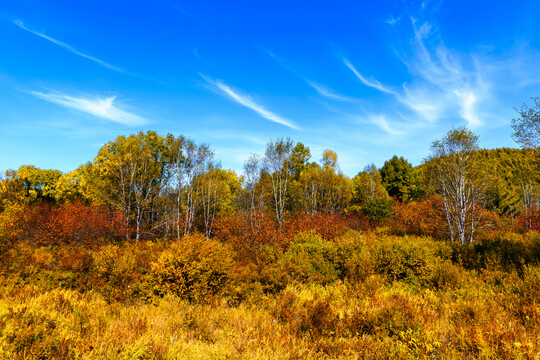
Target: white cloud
66, 46
328, 93
381, 122
320, 89
248, 102
100, 107
371, 83
443, 84
468, 100
392, 20
422, 101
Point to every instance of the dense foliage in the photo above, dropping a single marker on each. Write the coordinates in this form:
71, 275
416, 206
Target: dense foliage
152, 251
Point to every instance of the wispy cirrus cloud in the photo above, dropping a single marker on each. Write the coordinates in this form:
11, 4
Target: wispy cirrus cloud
248, 102
442, 84
371, 83
328, 93
101, 107
443, 79
320, 89
68, 47
382, 123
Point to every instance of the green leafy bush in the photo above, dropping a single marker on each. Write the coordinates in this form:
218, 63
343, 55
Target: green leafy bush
378, 209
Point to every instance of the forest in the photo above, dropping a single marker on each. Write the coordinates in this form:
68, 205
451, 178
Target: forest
153, 251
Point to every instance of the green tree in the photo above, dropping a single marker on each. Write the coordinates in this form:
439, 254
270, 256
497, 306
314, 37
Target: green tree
329, 159
299, 159
253, 196
216, 190
400, 179
325, 188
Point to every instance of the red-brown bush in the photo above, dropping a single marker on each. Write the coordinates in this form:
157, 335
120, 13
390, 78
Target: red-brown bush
423, 218
247, 237
529, 220
74, 223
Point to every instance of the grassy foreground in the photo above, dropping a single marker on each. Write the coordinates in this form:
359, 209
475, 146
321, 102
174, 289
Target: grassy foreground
362, 295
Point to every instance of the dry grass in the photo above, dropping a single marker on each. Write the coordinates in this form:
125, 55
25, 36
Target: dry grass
53, 306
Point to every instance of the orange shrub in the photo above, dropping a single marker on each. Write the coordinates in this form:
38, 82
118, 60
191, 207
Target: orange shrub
423, 218
426, 218
529, 220
245, 237
248, 238
329, 226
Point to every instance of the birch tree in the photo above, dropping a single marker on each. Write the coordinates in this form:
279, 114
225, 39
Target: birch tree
255, 195
278, 165
457, 177
367, 185
197, 158
208, 185
527, 125
129, 174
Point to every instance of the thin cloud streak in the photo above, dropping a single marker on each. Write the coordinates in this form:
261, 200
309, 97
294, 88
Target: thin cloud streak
373, 84
328, 93
320, 89
248, 102
381, 122
100, 107
20, 24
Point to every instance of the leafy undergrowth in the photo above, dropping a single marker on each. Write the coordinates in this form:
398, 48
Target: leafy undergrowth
358, 295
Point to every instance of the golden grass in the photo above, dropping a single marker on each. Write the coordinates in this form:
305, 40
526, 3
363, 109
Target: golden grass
491, 313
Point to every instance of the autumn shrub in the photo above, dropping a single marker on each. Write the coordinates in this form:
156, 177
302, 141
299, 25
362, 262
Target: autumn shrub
314, 317
422, 218
390, 315
246, 236
407, 258
194, 268
311, 258
116, 272
43, 224
504, 250
266, 276
328, 225
271, 275
74, 258
523, 295
446, 275
32, 336
9, 232
528, 220
355, 260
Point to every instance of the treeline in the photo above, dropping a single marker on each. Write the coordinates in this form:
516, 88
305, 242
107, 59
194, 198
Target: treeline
152, 186
291, 260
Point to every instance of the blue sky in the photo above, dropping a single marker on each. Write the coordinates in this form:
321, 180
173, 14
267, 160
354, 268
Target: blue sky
366, 79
